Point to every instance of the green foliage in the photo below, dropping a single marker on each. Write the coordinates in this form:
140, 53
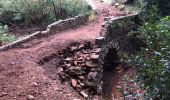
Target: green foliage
4, 36
37, 11
153, 62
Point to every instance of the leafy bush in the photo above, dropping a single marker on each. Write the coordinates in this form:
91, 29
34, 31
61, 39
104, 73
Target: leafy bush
37, 11
4, 36
153, 62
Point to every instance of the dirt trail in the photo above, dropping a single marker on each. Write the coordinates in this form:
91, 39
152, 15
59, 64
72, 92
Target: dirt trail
21, 76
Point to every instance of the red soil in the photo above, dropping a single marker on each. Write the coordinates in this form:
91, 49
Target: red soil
20, 75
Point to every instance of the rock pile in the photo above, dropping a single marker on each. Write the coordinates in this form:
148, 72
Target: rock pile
79, 67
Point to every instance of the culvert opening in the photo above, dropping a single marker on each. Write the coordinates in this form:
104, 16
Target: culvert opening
111, 65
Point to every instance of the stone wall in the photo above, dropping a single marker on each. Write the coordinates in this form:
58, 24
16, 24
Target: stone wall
52, 28
118, 27
116, 44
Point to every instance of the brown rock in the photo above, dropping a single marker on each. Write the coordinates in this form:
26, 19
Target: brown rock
84, 94
73, 82
91, 64
75, 71
82, 84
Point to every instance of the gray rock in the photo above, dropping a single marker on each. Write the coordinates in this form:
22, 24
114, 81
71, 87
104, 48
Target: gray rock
92, 75
94, 57
91, 64
84, 94
75, 71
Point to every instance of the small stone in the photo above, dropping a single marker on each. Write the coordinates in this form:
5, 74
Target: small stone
68, 59
76, 99
75, 71
74, 82
93, 69
88, 58
117, 4
118, 87
91, 64
81, 77
30, 97
84, 94
82, 84
121, 7
94, 57
68, 65
73, 48
97, 50
60, 70
90, 83
34, 84
80, 58
78, 88
92, 75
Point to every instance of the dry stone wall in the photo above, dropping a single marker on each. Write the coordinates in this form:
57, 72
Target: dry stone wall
52, 28
116, 43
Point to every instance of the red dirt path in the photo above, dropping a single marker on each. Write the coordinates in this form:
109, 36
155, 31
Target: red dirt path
20, 75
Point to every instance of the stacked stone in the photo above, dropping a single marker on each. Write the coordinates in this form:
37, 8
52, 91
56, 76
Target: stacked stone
80, 67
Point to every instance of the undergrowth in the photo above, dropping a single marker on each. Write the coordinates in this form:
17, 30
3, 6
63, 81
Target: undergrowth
39, 11
4, 36
153, 62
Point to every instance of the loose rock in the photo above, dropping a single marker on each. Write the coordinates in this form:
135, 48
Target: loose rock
117, 4
91, 64
84, 94
75, 71
74, 82
30, 97
94, 57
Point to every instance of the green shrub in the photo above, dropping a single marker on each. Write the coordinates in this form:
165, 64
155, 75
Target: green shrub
153, 62
37, 11
4, 36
